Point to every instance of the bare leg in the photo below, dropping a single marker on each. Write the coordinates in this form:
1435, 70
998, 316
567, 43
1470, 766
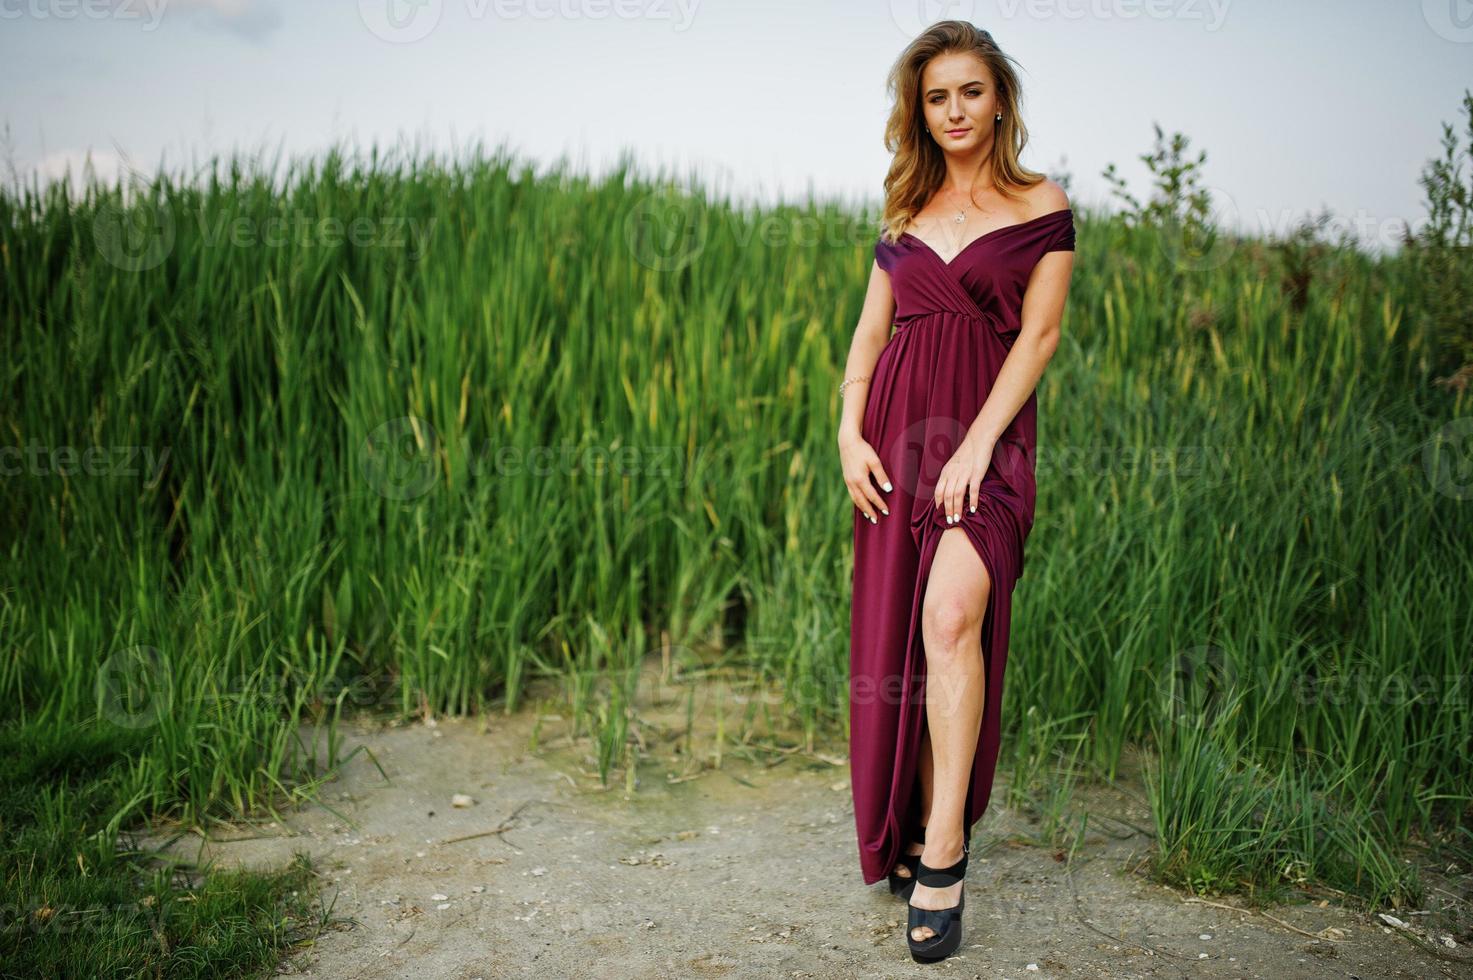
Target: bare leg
951, 623
928, 776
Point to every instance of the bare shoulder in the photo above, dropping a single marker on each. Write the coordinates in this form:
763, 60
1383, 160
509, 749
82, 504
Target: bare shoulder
1048, 196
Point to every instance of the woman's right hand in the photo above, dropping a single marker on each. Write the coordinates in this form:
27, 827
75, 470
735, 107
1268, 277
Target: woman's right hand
860, 462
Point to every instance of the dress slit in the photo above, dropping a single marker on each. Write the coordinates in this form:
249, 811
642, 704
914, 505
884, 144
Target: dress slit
905, 809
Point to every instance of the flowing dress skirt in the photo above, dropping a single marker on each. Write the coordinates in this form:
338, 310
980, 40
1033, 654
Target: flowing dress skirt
927, 387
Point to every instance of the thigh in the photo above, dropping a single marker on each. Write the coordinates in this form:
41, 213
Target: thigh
957, 585
952, 615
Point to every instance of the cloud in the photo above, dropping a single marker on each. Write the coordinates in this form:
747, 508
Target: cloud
254, 20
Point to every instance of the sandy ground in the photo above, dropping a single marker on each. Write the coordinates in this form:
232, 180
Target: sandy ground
749, 869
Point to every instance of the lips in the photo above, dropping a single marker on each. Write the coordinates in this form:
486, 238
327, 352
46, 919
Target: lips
957, 132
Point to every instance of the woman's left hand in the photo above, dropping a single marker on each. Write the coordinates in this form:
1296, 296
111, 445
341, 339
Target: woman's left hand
963, 473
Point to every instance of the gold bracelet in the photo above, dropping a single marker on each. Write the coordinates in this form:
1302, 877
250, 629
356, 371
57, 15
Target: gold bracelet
847, 380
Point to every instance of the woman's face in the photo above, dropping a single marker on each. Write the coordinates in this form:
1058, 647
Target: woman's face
959, 101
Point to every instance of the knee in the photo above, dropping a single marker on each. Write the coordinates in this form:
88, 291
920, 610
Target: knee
948, 623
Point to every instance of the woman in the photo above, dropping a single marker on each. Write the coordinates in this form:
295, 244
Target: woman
973, 268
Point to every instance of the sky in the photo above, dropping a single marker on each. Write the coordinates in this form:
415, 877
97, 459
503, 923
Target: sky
1300, 105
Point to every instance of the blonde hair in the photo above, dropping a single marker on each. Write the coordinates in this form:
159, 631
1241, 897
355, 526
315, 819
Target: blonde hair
918, 166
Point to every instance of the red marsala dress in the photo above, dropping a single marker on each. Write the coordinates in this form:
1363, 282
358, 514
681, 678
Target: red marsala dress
956, 322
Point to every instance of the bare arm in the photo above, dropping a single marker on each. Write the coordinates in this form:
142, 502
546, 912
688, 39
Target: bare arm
863, 473
870, 337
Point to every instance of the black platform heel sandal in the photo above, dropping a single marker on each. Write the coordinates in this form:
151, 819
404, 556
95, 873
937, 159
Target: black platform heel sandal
903, 885
945, 924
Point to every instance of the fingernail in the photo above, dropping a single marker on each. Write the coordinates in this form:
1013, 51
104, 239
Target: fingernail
887, 485
885, 512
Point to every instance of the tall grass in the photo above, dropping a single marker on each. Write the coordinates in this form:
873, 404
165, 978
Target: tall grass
538, 423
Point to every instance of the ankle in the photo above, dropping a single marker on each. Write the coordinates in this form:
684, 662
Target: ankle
945, 848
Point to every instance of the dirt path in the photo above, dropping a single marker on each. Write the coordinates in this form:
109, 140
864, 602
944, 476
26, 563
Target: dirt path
746, 871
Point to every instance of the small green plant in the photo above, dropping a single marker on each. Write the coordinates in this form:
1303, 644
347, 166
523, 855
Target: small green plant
1176, 194
1179, 210
1442, 252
